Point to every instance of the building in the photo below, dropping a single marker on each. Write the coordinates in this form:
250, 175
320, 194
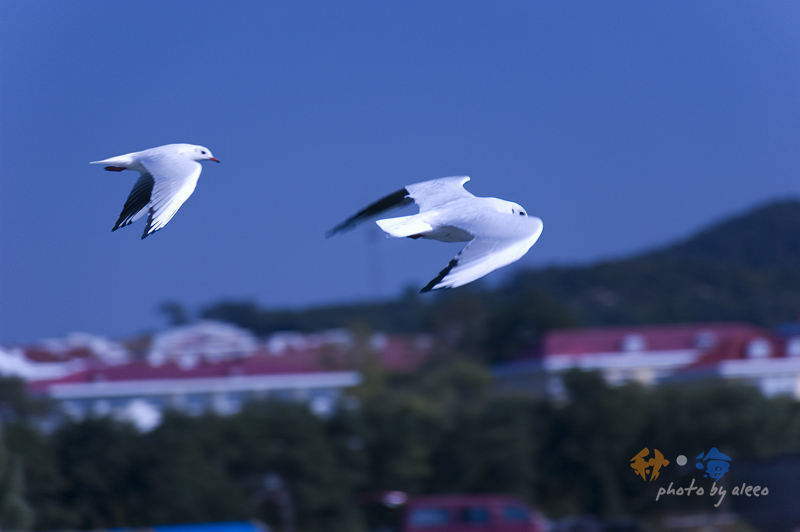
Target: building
652, 354
141, 392
58, 357
211, 366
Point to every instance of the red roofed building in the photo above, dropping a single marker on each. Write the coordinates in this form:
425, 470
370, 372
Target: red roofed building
57, 357
216, 367
646, 353
141, 390
650, 354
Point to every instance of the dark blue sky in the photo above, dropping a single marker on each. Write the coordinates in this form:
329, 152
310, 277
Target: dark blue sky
623, 125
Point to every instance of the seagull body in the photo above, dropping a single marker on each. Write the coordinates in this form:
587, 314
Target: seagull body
499, 232
168, 177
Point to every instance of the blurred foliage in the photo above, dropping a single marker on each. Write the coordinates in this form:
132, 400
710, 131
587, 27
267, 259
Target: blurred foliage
175, 313
15, 403
15, 407
491, 326
746, 268
442, 430
404, 315
15, 513
766, 237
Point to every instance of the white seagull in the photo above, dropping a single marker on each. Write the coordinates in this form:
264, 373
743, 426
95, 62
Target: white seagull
499, 232
168, 177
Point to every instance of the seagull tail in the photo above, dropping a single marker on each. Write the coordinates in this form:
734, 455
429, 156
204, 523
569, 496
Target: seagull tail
404, 226
119, 161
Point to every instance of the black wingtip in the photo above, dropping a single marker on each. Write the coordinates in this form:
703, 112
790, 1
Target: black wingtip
121, 223
395, 199
438, 278
147, 227
137, 200
341, 228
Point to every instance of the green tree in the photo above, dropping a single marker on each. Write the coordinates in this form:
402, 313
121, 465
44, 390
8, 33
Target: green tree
586, 445
14, 510
103, 463
16, 406
175, 312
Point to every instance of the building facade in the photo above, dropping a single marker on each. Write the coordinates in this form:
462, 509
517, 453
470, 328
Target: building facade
653, 354
206, 367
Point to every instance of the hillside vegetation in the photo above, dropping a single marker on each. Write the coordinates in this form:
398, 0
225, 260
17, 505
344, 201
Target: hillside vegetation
744, 268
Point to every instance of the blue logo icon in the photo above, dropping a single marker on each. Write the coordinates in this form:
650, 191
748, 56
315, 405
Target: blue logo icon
715, 463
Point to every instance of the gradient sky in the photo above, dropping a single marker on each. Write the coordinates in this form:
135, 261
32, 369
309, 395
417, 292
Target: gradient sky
623, 125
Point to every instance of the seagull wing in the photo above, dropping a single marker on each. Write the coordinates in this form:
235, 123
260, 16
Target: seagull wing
136, 204
174, 180
393, 200
430, 194
500, 239
427, 195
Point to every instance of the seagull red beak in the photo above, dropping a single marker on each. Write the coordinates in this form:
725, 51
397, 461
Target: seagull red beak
213, 159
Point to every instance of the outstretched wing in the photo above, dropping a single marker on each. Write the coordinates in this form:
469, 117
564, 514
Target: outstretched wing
488, 252
427, 195
393, 200
430, 194
136, 204
174, 180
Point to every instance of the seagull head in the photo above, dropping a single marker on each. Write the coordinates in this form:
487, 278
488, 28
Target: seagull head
517, 209
201, 153
507, 207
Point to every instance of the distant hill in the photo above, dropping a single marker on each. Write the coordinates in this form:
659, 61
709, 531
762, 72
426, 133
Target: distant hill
768, 236
744, 268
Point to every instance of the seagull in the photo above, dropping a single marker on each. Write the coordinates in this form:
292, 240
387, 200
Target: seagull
168, 177
499, 232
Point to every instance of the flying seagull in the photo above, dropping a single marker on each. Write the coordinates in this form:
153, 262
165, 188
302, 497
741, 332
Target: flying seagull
499, 232
168, 177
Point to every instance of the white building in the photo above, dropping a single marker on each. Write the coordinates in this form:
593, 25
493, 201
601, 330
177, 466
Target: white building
211, 366
651, 354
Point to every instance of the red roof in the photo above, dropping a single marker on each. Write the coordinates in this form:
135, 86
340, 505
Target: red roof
397, 354
715, 341
735, 347
136, 371
42, 354
654, 337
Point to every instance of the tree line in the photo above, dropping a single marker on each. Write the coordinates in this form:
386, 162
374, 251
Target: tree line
442, 430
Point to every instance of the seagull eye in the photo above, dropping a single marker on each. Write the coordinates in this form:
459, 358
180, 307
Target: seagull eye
521, 213
203, 152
